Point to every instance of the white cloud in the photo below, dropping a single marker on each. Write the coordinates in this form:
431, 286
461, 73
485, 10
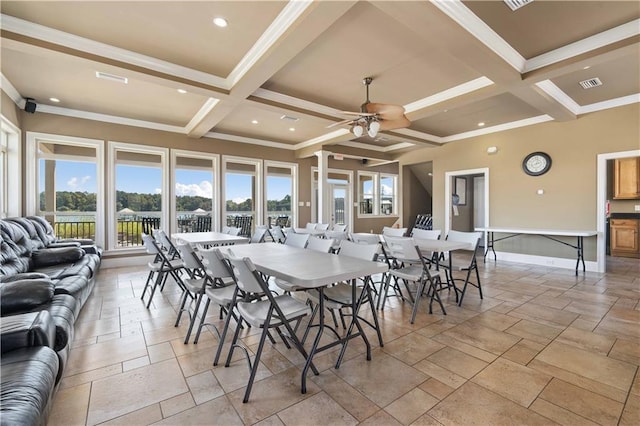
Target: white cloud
77, 183
239, 200
387, 190
203, 189
158, 191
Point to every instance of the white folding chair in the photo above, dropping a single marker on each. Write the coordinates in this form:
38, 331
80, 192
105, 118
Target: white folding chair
270, 312
427, 234
414, 268
161, 267
464, 260
258, 235
394, 232
196, 284
339, 228
277, 234
296, 240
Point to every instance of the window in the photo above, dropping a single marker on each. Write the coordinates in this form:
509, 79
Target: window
280, 193
195, 185
137, 199
66, 184
377, 194
10, 173
242, 189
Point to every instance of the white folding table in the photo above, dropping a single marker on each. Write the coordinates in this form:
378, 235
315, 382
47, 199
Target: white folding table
310, 269
209, 238
547, 233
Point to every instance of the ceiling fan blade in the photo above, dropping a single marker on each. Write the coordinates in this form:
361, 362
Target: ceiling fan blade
361, 114
386, 111
398, 123
339, 123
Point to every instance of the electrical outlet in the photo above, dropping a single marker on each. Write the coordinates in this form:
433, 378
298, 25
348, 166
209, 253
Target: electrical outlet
637, 207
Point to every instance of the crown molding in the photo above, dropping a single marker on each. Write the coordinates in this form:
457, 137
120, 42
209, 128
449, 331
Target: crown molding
109, 118
289, 14
622, 32
40, 32
206, 108
252, 141
611, 103
457, 11
556, 93
459, 90
499, 128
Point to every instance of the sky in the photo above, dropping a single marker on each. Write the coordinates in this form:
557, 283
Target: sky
79, 176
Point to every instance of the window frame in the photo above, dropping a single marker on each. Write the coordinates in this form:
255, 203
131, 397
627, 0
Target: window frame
32, 201
377, 196
11, 179
258, 203
113, 148
215, 197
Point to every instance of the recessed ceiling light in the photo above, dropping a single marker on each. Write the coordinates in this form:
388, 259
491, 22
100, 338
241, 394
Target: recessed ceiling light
445, 110
182, 91
480, 124
586, 67
254, 121
220, 22
292, 129
56, 100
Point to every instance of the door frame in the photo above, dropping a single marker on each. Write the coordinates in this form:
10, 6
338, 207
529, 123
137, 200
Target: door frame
447, 196
348, 210
601, 197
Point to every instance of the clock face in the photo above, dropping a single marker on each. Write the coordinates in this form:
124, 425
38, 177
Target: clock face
536, 163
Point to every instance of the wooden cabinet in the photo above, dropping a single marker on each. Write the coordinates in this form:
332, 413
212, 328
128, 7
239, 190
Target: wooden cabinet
625, 240
626, 179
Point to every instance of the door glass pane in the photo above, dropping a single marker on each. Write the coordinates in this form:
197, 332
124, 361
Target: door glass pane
365, 185
339, 200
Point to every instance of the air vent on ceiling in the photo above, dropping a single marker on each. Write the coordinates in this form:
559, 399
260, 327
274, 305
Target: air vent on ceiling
517, 4
289, 118
592, 82
112, 77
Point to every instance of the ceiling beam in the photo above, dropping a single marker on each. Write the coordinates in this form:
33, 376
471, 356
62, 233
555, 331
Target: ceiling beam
314, 21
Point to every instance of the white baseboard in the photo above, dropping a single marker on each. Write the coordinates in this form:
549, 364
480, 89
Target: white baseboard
119, 262
530, 259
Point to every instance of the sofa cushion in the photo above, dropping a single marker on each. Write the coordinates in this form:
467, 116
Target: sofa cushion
26, 330
14, 257
25, 295
27, 384
55, 256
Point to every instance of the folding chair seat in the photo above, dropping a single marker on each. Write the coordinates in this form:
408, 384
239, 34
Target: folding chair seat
413, 268
463, 261
161, 267
339, 296
272, 312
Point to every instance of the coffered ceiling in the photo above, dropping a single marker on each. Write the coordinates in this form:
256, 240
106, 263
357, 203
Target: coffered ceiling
451, 64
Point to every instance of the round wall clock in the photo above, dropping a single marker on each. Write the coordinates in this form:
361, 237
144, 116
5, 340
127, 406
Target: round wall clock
536, 163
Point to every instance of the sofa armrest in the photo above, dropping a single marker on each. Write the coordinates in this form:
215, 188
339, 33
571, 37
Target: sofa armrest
23, 276
27, 330
56, 256
80, 241
25, 295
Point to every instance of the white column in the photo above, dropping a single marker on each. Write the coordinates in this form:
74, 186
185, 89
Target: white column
324, 210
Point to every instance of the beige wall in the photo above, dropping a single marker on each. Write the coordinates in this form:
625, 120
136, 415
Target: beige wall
569, 201
9, 110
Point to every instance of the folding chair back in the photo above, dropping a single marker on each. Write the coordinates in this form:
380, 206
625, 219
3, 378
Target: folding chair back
360, 251
403, 249
277, 234
165, 241
297, 240
394, 232
233, 230
365, 238
215, 263
426, 234
189, 258
258, 235
339, 228
322, 226
243, 272
310, 226
320, 244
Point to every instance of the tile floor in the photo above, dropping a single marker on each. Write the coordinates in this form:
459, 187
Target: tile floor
543, 347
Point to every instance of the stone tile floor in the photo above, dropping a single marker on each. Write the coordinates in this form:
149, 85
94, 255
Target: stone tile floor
543, 347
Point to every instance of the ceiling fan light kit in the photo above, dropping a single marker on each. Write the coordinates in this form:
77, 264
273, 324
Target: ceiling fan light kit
375, 117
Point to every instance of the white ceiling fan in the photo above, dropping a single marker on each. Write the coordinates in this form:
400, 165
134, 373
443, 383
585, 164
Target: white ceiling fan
374, 117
